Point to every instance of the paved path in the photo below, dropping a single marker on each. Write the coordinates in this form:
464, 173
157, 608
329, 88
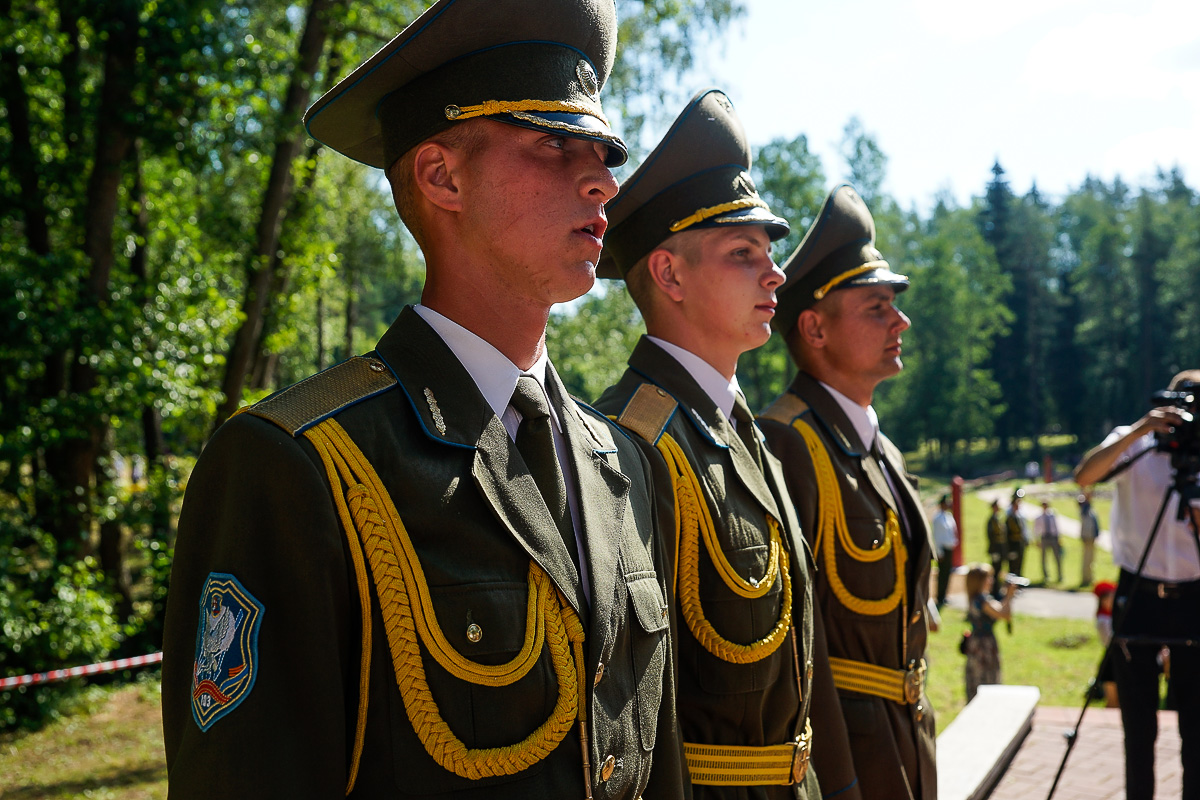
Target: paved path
1095, 770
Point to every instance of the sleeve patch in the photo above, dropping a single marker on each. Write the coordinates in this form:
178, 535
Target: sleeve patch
226, 648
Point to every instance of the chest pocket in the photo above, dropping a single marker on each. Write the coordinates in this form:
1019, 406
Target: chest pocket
649, 651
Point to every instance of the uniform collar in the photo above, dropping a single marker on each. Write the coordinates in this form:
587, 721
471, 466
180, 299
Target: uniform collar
864, 420
723, 393
494, 374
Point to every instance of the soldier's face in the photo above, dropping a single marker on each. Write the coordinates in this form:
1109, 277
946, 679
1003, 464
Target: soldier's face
864, 331
534, 204
728, 280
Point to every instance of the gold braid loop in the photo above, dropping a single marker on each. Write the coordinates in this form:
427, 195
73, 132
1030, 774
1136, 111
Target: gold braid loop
410, 621
712, 211
833, 530
691, 518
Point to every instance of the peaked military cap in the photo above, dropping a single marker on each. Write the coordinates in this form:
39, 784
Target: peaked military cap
697, 177
837, 252
533, 63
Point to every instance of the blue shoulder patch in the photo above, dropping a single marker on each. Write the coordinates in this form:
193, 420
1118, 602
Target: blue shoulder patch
226, 648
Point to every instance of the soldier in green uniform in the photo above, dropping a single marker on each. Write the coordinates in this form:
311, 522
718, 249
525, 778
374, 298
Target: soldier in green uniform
692, 239
427, 571
858, 506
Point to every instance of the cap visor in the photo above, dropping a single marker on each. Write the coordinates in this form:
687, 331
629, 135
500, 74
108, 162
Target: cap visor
897, 281
576, 126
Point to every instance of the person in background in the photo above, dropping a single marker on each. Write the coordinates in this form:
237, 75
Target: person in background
997, 546
983, 652
1163, 605
1016, 529
1046, 530
1089, 532
945, 539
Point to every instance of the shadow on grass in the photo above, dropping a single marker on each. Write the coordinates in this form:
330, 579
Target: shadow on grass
115, 779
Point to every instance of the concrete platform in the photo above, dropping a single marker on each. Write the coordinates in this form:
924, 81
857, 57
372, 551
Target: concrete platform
974, 750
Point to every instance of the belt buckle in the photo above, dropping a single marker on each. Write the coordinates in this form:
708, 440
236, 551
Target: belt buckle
800, 757
914, 679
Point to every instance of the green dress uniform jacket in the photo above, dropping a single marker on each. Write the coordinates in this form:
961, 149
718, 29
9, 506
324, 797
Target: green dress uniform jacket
996, 536
721, 703
260, 507
870, 747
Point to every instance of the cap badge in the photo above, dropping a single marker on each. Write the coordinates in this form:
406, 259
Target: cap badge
587, 78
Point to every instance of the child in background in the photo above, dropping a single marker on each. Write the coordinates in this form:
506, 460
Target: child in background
1105, 592
983, 654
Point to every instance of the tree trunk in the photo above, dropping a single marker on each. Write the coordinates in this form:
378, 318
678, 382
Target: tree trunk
288, 140
152, 435
72, 465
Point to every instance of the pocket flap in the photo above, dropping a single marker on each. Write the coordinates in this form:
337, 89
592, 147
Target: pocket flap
647, 601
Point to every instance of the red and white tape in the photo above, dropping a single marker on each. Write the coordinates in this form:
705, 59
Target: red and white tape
91, 669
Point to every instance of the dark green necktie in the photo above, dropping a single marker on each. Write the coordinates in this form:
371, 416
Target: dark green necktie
535, 440
746, 429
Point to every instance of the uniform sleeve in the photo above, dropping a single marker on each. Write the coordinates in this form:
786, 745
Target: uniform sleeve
258, 509
831, 757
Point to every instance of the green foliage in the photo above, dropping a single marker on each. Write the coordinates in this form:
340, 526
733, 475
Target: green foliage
597, 335
51, 616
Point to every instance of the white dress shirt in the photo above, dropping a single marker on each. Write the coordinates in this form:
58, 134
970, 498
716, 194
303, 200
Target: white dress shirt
496, 376
722, 392
1138, 492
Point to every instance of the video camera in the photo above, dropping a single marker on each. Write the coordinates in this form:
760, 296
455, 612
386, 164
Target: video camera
1182, 442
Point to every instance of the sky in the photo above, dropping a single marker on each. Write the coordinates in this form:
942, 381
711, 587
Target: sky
1054, 89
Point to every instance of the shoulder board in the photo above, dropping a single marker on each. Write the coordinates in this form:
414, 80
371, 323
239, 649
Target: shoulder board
784, 409
304, 404
648, 412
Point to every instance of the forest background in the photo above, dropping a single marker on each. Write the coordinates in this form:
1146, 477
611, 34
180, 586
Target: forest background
172, 247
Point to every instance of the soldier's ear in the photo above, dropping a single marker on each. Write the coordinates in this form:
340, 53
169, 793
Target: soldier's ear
435, 171
664, 269
811, 327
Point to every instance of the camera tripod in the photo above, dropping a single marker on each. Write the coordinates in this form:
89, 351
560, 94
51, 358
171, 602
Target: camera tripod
1185, 485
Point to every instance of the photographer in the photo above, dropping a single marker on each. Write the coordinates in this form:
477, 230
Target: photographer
1168, 593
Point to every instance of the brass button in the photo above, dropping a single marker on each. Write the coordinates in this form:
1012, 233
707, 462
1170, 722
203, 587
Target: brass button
920, 712
606, 769
661, 393
916, 618
474, 632
599, 674
376, 366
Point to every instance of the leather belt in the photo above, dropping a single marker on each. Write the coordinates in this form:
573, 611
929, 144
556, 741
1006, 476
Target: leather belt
903, 686
732, 765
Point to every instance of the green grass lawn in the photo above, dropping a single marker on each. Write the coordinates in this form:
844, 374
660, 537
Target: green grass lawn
112, 750
1059, 656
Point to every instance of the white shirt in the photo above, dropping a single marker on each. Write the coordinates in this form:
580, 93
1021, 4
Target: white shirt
864, 420
945, 530
1138, 492
496, 376
866, 425
722, 392
1046, 525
